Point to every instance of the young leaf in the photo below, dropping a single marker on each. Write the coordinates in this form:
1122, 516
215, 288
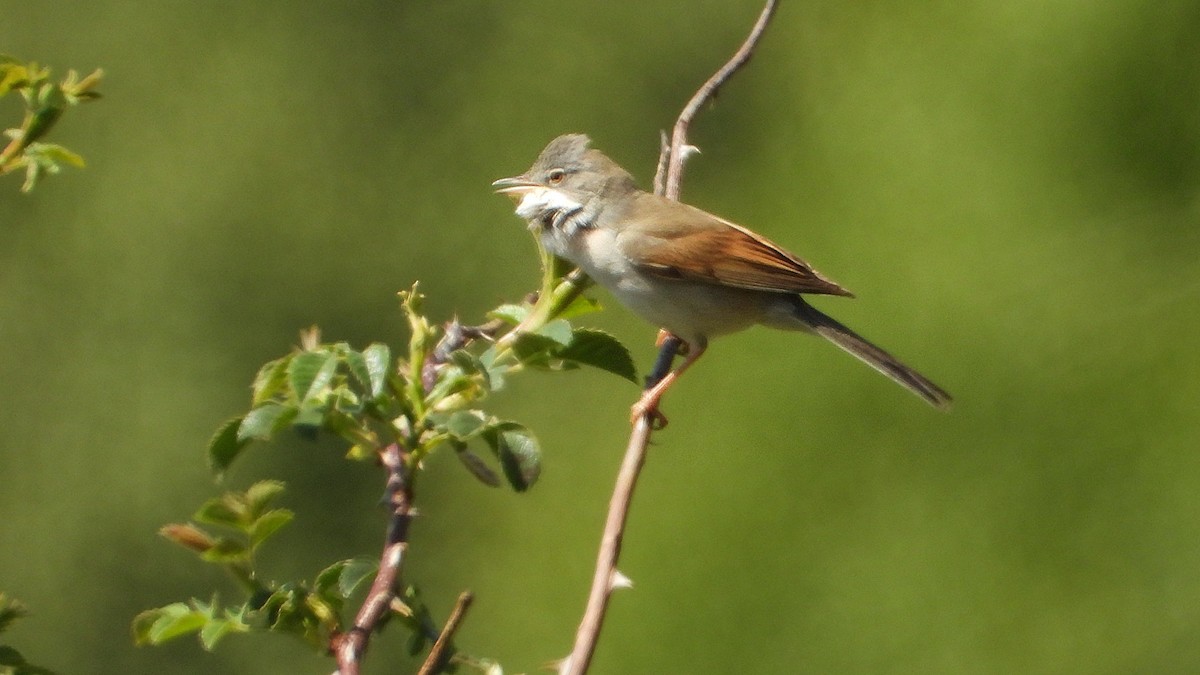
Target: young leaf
171, 622
264, 421
310, 373
269, 381
258, 496
267, 525
216, 629
226, 445
513, 314
378, 358
596, 348
357, 364
354, 573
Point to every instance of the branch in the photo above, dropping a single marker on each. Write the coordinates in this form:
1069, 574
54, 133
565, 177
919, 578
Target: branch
607, 578
678, 151
437, 655
350, 649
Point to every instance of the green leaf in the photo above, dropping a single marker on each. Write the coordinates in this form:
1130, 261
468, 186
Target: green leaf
466, 424
261, 423
354, 573
310, 373
379, 360
228, 510
596, 348
519, 453
268, 524
496, 373
513, 314
536, 351
270, 380
214, 630
226, 550
225, 446
171, 622
59, 154
579, 306
477, 466
357, 365
558, 330
262, 493
470, 364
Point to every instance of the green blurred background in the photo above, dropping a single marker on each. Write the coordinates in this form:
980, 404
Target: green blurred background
1012, 189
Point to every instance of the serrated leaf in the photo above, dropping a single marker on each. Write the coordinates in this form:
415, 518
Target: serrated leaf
558, 330
378, 358
270, 380
356, 363
268, 524
509, 313
261, 423
354, 573
225, 446
598, 349
215, 629
227, 510
310, 373
327, 578
477, 467
519, 454
173, 621
258, 496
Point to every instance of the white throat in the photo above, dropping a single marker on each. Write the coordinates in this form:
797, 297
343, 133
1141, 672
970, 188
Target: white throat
548, 208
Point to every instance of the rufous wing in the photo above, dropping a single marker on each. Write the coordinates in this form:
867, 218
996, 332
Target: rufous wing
682, 242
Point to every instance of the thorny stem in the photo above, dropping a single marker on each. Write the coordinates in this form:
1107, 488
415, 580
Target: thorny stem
606, 575
350, 646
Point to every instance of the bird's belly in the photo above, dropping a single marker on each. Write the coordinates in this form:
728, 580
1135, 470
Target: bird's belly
690, 310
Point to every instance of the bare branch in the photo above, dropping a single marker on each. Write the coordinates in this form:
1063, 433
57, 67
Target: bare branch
604, 581
703, 95
437, 655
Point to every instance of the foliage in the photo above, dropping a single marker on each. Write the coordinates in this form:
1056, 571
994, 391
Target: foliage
426, 398
45, 103
11, 660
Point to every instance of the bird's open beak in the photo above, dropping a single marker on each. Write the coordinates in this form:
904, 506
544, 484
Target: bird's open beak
515, 187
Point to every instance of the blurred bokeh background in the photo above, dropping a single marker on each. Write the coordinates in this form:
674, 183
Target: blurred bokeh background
1012, 190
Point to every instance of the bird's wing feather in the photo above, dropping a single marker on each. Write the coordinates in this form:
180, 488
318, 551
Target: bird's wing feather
686, 243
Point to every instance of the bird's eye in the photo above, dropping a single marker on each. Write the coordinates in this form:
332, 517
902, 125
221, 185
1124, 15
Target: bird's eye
556, 176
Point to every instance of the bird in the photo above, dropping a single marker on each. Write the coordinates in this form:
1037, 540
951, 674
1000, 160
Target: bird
692, 274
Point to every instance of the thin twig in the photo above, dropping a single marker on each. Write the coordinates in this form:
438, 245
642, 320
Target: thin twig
352, 645
606, 577
679, 135
436, 659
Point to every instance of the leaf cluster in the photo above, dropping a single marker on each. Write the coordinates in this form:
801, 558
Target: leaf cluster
45, 102
426, 396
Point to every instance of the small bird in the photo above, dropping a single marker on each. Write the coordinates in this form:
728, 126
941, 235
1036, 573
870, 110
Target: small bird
690, 273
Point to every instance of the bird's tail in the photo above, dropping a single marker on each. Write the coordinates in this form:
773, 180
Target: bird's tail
830, 329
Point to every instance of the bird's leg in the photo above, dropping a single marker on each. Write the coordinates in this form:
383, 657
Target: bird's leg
648, 403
